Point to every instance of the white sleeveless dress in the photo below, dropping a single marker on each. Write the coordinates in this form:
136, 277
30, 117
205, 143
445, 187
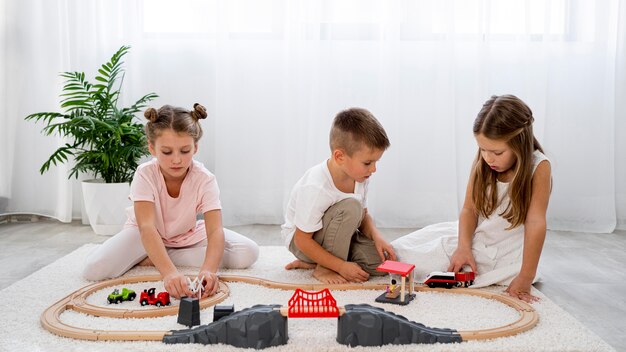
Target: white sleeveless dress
497, 251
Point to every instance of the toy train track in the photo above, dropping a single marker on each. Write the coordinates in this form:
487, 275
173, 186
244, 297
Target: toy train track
50, 318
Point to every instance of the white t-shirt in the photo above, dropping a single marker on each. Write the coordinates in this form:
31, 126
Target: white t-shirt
312, 195
176, 217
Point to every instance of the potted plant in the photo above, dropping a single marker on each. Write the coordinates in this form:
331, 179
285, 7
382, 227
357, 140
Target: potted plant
102, 139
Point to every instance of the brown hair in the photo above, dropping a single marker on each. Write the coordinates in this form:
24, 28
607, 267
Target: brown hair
177, 119
355, 127
505, 118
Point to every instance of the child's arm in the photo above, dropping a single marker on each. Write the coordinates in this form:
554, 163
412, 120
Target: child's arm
214, 250
534, 233
369, 229
350, 271
468, 220
175, 283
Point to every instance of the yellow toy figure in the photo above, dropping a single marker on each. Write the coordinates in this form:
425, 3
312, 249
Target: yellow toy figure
393, 290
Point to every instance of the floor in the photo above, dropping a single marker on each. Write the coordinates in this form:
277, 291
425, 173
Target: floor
581, 272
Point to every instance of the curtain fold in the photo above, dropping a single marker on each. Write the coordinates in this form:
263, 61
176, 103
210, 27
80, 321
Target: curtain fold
274, 73
5, 182
620, 116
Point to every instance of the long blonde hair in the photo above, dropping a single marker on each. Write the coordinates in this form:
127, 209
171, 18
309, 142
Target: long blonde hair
505, 118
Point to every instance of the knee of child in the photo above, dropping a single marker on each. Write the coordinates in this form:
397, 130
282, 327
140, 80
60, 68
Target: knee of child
370, 268
251, 254
351, 204
246, 255
93, 270
351, 208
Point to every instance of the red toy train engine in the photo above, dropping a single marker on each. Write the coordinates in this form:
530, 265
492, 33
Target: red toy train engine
449, 279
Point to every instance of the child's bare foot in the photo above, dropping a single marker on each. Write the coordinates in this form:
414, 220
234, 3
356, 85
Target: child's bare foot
328, 276
299, 264
146, 262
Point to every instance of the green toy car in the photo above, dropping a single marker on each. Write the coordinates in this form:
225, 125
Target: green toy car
117, 297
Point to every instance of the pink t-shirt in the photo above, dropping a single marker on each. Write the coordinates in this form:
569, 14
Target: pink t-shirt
176, 217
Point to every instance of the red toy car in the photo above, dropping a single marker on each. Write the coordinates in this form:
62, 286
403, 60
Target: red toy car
449, 279
148, 297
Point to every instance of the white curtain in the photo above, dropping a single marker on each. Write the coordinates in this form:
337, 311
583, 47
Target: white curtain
620, 119
274, 73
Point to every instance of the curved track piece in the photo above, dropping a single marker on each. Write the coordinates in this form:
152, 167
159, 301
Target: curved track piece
527, 320
304, 286
77, 301
80, 303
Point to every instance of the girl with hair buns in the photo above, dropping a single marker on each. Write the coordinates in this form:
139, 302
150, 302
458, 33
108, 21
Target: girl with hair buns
168, 192
502, 225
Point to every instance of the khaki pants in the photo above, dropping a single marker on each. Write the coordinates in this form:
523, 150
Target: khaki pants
340, 237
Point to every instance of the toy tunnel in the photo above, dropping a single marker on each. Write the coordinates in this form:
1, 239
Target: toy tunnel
258, 327
365, 325
264, 326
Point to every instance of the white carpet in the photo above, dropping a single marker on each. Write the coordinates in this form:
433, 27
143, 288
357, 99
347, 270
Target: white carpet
23, 302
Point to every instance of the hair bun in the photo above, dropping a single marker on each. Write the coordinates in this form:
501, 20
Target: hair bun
199, 111
151, 114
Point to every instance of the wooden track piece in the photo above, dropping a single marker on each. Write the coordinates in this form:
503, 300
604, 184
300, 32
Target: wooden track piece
80, 303
77, 301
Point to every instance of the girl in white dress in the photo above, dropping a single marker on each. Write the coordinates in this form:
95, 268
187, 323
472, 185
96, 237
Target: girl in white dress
502, 226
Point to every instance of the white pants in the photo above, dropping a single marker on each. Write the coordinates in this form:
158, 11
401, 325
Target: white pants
124, 250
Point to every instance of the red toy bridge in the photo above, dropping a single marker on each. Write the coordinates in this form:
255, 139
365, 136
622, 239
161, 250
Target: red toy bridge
320, 304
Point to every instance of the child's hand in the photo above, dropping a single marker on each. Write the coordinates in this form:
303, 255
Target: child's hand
383, 247
461, 257
176, 285
211, 283
520, 289
352, 272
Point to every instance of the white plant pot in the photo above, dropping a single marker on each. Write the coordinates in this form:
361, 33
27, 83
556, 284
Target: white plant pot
105, 204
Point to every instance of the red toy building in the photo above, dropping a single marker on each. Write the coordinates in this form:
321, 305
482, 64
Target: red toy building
405, 271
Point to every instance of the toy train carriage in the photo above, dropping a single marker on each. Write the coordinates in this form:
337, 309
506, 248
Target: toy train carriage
449, 279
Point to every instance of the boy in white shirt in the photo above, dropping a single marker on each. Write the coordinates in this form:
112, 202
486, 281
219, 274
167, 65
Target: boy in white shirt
327, 226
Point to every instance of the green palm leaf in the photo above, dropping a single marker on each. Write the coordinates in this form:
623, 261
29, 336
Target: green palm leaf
104, 140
